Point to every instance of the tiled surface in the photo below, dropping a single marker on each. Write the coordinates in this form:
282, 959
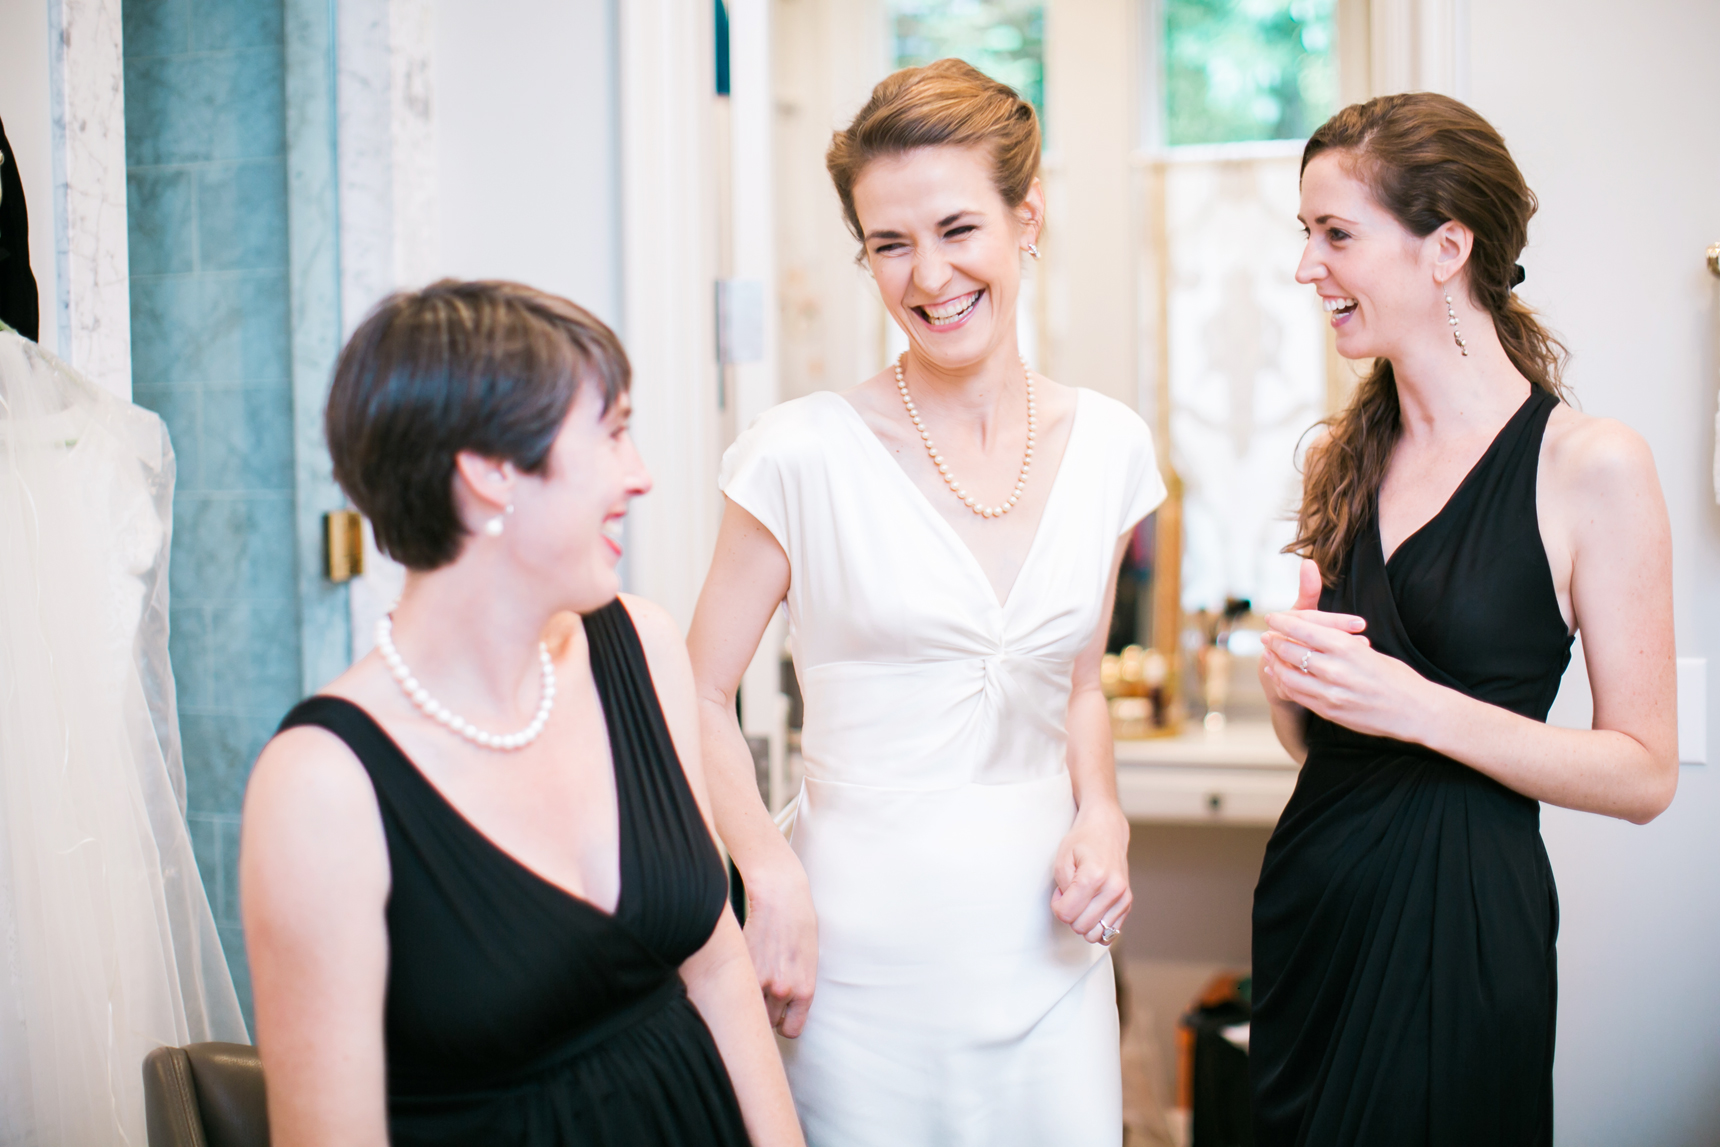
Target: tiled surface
207, 186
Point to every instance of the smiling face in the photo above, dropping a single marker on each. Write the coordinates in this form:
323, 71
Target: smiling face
1380, 283
945, 250
566, 527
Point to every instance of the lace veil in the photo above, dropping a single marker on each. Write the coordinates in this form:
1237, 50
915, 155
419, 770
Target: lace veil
107, 944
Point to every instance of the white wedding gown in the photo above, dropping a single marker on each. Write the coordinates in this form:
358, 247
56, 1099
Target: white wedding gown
107, 945
952, 1008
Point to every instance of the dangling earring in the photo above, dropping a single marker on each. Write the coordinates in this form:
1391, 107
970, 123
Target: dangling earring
1452, 314
494, 526
1032, 250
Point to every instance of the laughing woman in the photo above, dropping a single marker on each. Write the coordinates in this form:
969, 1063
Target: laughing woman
1467, 523
946, 536
481, 901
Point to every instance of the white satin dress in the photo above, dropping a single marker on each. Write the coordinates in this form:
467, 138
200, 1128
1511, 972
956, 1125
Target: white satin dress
952, 1009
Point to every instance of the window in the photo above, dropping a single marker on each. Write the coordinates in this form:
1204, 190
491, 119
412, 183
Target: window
1005, 39
1238, 70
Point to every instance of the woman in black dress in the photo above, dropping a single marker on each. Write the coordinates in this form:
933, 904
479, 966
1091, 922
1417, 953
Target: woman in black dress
481, 898
1465, 522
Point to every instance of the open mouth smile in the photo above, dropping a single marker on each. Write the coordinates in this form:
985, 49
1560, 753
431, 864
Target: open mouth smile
1338, 307
613, 531
951, 312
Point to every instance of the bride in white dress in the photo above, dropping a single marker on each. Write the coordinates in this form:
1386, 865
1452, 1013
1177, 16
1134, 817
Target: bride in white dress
946, 536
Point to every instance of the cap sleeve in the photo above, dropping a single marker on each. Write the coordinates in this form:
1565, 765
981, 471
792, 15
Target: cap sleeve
752, 476
1145, 486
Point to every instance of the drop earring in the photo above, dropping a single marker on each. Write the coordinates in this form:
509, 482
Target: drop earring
1455, 333
1032, 250
494, 526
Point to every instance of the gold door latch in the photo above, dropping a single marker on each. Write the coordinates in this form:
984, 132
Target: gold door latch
343, 545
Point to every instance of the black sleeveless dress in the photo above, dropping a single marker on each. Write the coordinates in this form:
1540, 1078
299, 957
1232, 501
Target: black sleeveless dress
1405, 919
517, 1013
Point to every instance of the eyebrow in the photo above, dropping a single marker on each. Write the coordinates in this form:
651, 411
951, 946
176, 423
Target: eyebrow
1322, 220
944, 222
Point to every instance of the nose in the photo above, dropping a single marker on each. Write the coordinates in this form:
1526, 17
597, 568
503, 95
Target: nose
1310, 269
638, 480
931, 273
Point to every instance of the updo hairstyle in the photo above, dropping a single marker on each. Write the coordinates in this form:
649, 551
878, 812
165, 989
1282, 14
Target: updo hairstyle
944, 104
489, 367
1428, 160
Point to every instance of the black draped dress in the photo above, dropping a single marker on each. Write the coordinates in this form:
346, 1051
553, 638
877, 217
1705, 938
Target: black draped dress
517, 1013
1405, 919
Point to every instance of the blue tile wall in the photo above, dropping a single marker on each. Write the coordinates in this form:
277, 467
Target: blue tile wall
207, 203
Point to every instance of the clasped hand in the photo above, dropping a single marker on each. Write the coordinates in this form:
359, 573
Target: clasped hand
1092, 873
1324, 663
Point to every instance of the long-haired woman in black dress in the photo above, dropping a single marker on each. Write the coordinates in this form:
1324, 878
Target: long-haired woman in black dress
1465, 522
481, 898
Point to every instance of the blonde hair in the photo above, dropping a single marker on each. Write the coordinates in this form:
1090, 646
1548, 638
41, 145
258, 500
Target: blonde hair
944, 104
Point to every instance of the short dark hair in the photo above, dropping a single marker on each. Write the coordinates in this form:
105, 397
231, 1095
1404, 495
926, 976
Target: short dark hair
489, 367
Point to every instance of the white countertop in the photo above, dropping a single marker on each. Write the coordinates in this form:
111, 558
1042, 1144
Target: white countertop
1239, 775
1251, 745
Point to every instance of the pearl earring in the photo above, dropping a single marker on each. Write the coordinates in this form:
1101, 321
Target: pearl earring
1452, 315
494, 526
1032, 250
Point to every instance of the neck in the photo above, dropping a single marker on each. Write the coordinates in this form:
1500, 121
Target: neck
971, 390
1443, 393
470, 634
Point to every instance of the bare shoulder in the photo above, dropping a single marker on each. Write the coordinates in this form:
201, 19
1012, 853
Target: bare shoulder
665, 651
308, 775
1591, 456
312, 849
875, 399
658, 632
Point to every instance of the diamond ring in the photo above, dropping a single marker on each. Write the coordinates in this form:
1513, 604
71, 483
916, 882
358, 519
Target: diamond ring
1306, 657
1108, 933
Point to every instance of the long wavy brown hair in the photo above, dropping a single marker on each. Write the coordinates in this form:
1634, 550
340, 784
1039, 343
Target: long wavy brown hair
1429, 160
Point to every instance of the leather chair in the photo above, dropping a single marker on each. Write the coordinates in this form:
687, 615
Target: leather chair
205, 1095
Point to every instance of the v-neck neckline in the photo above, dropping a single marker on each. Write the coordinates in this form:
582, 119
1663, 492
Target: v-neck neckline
858, 423
489, 843
1451, 500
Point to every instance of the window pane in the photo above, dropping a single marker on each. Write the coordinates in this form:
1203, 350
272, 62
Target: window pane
1005, 39
1248, 69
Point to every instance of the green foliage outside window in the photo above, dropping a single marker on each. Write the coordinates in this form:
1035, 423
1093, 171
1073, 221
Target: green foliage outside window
1240, 70
1005, 39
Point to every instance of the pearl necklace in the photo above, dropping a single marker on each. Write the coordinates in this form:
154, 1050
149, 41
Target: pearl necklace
943, 467
439, 713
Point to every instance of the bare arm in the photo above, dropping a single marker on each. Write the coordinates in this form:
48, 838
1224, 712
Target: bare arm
747, 580
313, 873
720, 978
1606, 500
1093, 862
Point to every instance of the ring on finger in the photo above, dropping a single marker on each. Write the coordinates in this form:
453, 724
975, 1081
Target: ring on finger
1306, 657
1108, 932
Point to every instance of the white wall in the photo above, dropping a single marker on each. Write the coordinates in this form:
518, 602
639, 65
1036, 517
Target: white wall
29, 126
1611, 117
527, 148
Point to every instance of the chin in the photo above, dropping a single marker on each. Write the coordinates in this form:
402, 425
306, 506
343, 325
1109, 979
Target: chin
593, 592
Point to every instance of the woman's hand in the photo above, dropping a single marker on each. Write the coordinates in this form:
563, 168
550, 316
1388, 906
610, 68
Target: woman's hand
782, 937
1092, 873
1322, 662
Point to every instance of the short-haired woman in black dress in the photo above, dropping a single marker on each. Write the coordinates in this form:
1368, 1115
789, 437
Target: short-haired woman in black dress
1467, 522
481, 898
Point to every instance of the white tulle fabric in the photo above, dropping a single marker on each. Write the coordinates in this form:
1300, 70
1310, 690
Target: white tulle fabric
107, 945
952, 1008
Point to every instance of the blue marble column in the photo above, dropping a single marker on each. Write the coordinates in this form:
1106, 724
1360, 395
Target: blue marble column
216, 312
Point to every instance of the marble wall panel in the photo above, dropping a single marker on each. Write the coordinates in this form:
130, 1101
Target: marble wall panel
211, 343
